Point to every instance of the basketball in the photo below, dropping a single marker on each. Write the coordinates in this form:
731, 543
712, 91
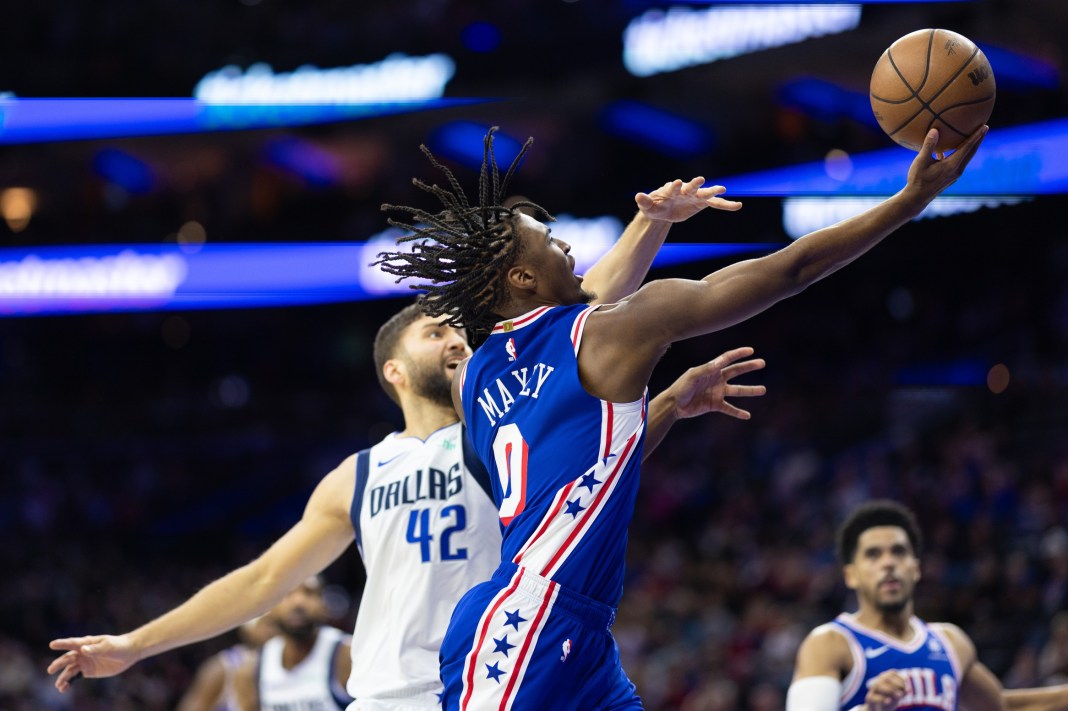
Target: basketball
932, 79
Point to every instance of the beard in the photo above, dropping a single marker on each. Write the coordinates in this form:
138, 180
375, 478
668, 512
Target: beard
302, 631
431, 383
893, 607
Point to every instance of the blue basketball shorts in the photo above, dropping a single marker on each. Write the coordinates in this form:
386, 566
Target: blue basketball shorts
522, 642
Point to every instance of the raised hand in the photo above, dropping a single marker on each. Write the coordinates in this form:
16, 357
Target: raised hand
92, 657
676, 201
932, 173
705, 388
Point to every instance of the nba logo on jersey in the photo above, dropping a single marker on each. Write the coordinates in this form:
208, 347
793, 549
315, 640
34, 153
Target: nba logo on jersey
566, 649
509, 348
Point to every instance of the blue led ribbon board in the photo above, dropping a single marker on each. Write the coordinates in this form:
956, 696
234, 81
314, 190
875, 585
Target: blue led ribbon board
154, 277
66, 119
1017, 160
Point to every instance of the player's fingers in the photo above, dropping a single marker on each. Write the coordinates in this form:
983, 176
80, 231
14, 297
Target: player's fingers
63, 680
62, 661
728, 357
745, 390
721, 204
929, 142
693, 186
643, 200
735, 412
72, 642
745, 366
971, 144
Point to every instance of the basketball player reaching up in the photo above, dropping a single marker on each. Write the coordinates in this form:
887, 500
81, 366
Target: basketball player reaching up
883, 657
415, 503
555, 403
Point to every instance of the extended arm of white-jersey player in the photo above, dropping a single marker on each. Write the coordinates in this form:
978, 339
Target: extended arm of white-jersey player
622, 269
814, 693
701, 390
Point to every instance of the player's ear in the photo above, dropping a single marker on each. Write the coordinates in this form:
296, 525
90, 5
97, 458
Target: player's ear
394, 372
521, 276
849, 574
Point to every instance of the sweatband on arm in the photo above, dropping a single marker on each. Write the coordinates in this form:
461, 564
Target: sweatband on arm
814, 693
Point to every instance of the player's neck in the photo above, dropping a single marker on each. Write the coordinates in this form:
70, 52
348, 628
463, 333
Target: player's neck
296, 651
895, 624
422, 418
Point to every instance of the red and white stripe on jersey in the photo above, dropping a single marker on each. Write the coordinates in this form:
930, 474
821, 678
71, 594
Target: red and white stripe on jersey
579, 326
560, 532
524, 320
531, 600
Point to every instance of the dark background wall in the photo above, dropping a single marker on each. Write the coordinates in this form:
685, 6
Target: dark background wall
142, 455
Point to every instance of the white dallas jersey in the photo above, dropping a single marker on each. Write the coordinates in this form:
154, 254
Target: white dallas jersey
310, 685
428, 531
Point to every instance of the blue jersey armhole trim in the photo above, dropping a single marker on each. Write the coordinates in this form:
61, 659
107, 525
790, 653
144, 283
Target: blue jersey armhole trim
363, 471
337, 690
474, 465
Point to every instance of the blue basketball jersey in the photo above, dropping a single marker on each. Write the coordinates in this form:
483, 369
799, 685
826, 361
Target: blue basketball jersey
927, 661
563, 464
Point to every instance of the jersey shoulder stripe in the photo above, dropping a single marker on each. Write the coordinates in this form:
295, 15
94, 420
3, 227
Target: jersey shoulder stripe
363, 472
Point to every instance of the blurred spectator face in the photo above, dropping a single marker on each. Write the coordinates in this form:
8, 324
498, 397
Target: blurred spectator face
884, 571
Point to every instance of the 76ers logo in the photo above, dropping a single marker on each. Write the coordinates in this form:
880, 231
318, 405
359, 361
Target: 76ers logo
509, 348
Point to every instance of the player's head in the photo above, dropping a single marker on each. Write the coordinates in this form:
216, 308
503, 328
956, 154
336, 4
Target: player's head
879, 546
302, 612
418, 354
465, 254
257, 631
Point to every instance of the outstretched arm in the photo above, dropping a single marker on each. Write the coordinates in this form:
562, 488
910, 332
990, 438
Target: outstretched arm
700, 390
622, 269
314, 542
1048, 698
669, 310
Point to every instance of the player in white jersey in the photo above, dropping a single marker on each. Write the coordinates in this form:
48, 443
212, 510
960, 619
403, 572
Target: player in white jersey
304, 667
213, 684
416, 371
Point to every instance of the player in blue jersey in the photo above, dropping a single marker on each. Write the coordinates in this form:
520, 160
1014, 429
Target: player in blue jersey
555, 401
413, 503
883, 657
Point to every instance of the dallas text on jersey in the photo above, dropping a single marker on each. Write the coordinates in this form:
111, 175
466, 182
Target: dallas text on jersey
420, 486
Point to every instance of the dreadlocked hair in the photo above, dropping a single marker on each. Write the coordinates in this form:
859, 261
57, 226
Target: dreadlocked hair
463, 250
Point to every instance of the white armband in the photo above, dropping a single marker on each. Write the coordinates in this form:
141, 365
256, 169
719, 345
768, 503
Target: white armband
814, 693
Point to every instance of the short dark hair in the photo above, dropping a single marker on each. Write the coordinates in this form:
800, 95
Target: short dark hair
881, 512
464, 249
386, 341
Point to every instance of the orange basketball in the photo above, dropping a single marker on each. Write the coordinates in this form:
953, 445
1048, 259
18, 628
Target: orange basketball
932, 79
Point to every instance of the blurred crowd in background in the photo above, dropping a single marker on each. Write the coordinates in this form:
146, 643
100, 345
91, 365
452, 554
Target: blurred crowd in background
146, 454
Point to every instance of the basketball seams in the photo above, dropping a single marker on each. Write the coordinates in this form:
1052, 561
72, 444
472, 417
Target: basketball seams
926, 105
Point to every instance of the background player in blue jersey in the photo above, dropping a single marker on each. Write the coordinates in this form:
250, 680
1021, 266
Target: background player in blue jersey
415, 357
883, 657
555, 403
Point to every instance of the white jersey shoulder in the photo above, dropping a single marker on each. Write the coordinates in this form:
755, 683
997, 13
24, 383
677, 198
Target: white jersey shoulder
309, 685
427, 531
